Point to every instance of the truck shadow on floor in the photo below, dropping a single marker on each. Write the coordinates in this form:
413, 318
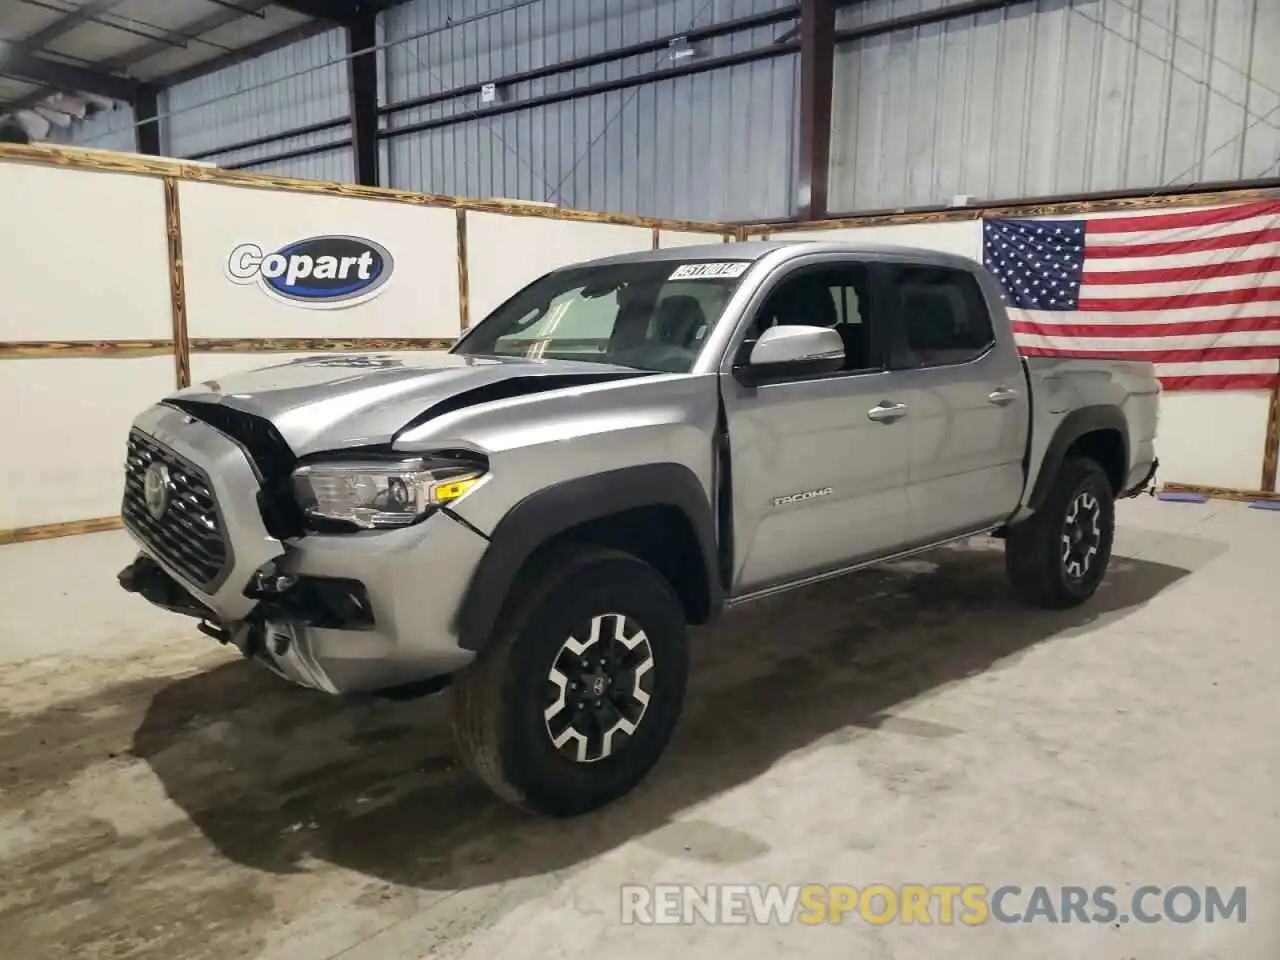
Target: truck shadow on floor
277, 778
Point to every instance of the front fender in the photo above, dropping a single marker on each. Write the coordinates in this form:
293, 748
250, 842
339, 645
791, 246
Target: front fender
543, 515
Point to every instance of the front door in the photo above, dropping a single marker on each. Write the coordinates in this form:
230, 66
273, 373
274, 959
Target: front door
966, 393
819, 472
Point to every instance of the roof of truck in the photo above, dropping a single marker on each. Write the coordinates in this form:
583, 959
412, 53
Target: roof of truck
755, 249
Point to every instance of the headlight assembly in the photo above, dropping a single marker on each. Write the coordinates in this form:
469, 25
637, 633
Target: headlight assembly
373, 495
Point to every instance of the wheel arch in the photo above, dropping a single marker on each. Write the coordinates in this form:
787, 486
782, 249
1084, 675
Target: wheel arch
658, 512
1099, 432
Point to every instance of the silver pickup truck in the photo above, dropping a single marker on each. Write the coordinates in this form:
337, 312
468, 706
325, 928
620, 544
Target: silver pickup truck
623, 448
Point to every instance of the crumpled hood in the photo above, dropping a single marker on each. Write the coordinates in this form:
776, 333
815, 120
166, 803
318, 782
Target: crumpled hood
332, 402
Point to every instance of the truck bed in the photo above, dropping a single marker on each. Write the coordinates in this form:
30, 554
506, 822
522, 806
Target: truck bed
1060, 385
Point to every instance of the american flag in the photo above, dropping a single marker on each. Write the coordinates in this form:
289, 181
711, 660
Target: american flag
1196, 291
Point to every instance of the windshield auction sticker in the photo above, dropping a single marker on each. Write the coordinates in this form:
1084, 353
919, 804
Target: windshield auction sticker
708, 271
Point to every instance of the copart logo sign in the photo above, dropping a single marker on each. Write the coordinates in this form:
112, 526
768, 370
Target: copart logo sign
321, 273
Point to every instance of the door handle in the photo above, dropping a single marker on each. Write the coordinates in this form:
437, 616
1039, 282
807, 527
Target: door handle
885, 412
1002, 396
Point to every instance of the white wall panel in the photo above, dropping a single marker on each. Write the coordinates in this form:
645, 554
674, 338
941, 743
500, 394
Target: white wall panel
420, 299
62, 438
108, 278
506, 252
1213, 438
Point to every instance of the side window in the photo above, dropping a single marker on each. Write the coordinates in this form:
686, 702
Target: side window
942, 316
835, 297
846, 300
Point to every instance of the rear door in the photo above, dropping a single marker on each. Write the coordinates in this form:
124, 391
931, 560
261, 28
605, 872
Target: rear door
817, 483
966, 397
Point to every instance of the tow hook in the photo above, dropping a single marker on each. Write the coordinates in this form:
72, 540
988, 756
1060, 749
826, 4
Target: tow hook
221, 634
245, 637
1148, 484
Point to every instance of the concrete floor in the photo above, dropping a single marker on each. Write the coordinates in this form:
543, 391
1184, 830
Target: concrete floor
159, 799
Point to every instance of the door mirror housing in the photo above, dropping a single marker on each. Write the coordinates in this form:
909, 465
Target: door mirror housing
792, 351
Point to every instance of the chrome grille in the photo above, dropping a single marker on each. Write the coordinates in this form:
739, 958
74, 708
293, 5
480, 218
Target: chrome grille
189, 534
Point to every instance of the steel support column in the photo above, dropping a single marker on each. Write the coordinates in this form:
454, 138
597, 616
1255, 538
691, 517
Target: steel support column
363, 84
817, 58
146, 114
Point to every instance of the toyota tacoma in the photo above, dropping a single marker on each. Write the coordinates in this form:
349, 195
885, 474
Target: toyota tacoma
623, 448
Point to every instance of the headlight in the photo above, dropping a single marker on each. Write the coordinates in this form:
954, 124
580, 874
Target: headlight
374, 495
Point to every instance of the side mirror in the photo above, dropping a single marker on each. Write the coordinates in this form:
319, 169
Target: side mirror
791, 351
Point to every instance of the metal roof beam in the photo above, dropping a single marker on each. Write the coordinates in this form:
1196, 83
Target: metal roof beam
192, 31
90, 11
20, 63
342, 12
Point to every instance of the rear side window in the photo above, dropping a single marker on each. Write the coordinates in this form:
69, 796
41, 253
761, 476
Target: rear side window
942, 317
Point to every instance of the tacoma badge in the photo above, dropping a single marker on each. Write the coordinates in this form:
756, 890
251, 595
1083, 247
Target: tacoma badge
798, 497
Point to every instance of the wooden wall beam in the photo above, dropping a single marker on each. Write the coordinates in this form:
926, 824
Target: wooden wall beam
464, 277
1221, 493
1061, 208
315, 344
100, 349
177, 284
1271, 447
107, 161
49, 531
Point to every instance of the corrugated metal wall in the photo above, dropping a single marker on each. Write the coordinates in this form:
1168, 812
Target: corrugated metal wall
1052, 97
712, 145
1056, 97
105, 130
262, 97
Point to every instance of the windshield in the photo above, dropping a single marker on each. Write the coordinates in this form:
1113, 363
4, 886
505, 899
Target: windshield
652, 315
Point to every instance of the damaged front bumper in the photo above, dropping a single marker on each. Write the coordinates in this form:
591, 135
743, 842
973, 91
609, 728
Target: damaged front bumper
343, 613
276, 630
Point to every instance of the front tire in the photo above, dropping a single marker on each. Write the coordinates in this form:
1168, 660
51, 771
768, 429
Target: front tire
1057, 557
575, 699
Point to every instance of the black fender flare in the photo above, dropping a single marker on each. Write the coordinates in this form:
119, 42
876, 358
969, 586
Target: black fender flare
547, 513
1074, 426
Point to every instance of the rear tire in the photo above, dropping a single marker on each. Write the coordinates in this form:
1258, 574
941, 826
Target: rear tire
575, 698
1057, 557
